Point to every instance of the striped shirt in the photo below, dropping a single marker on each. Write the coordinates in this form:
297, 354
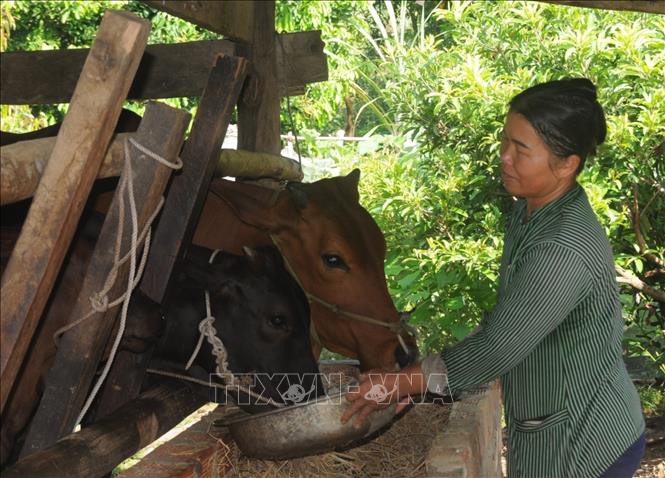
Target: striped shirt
554, 339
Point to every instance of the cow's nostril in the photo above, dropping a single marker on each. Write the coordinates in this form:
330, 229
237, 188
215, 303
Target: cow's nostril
407, 357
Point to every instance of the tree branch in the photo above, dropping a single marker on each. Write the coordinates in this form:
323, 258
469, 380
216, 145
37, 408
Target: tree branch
641, 243
635, 282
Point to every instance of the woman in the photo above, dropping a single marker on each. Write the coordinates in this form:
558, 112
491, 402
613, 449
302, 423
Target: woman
554, 337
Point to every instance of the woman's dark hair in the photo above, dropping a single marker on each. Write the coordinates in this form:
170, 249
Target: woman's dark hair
565, 114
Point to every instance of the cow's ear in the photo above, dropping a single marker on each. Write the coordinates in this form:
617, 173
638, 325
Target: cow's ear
349, 184
257, 206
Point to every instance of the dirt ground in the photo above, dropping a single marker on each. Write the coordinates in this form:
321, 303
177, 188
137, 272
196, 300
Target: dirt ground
653, 462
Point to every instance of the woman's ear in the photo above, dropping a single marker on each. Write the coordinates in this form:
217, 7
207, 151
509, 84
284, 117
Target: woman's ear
567, 167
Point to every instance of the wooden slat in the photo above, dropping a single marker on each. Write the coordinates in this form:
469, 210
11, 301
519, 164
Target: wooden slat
165, 71
127, 373
124, 381
66, 183
231, 18
80, 351
188, 190
258, 111
649, 6
202, 450
96, 450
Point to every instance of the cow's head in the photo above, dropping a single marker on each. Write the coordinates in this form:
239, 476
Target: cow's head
337, 251
261, 316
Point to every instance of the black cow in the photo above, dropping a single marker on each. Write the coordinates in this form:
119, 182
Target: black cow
261, 316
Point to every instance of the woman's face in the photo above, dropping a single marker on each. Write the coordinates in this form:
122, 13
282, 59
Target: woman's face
529, 169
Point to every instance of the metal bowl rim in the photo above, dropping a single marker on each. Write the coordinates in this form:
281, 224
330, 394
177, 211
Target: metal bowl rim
256, 416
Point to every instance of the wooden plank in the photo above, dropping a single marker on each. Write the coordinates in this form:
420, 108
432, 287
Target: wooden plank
202, 450
231, 18
300, 61
66, 183
124, 381
37, 77
649, 6
96, 450
258, 112
80, 351
188, 190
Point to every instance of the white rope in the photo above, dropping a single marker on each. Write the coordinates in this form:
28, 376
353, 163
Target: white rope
208, 314
99, 301
175, 166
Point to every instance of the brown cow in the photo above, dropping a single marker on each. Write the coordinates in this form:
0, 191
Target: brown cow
334, 247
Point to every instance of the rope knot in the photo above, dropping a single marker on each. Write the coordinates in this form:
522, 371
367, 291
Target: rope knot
99, 302
207, 325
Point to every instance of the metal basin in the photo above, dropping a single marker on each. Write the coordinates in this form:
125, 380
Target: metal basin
302, 429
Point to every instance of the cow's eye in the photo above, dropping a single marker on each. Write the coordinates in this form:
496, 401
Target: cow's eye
334, 261
278, 321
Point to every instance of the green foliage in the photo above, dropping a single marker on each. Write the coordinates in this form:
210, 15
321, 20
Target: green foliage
653, 400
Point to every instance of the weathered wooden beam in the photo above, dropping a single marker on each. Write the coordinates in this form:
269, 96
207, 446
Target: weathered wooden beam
37, 77
22, 164
649, 6
258, 111
66, 183
231, 18
248, 164
188, 190
202, 450
80, 350
96, 450
300, 61
165, 71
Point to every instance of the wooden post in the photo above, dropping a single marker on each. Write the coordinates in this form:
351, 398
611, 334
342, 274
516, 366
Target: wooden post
65, 185
96, 450
188, 190
68, 382
258, 112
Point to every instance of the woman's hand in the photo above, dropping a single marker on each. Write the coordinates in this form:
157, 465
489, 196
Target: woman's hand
378, 388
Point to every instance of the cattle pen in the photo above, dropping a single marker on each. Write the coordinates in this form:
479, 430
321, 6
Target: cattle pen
248, 72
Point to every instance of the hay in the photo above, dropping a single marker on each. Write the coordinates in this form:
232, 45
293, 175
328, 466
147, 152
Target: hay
399, 451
